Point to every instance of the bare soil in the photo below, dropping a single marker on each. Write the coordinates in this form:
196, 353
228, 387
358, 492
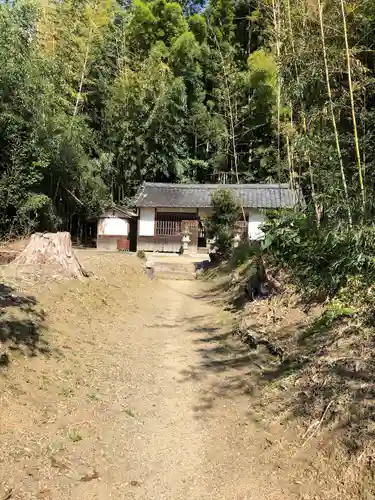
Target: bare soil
316, 381
129, 388
14, 245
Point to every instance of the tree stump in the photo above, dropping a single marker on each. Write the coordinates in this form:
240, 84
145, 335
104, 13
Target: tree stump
52, 253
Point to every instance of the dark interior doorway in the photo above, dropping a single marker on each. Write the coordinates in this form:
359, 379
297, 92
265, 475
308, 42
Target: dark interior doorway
202, 239
132, 236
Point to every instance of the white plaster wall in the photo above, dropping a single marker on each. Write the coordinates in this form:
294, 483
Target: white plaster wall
146, 222
256, 219
113, 226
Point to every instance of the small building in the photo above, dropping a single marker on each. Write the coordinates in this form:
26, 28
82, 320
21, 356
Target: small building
114, 225
167, 210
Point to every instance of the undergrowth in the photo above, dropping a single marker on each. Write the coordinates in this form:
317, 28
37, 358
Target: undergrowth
322, 320
330, 261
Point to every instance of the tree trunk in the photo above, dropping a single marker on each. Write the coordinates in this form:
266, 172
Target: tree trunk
52, 253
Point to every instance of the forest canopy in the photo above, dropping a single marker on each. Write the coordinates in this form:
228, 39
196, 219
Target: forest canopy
97, 96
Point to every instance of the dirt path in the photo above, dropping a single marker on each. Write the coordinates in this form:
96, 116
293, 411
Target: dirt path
189, 429
160, 411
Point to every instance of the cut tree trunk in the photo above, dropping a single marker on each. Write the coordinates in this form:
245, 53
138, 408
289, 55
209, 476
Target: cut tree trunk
52, 253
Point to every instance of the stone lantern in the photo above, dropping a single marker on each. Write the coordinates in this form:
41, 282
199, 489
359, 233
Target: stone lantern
236, 240
185, 238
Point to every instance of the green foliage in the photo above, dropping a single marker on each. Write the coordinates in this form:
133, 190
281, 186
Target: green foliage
142, 28
334, 312
183, 91
263, 69
323, 261
244, 253
170, 21
126, 93
198, 26
46, 152
221, 17
221, 226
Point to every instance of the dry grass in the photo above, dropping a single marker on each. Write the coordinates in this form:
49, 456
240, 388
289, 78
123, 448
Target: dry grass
66, 367
16, 245
57, 338
321, 390
323, 385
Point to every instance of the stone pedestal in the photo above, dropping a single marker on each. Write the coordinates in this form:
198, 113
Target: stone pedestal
185, 241
236, 240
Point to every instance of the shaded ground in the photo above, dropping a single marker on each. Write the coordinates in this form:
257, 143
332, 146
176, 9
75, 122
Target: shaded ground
323, 385
142, 393
21, 324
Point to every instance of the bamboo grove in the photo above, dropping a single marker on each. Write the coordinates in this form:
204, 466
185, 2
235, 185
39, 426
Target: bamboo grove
97, 96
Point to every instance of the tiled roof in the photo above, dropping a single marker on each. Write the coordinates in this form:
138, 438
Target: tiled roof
199, 195
124, 210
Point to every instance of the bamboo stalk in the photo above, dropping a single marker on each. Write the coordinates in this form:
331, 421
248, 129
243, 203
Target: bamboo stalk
83, 74
303, 115
355, 131
334, 125
276, 20
292, 172
290, 161
364, 135
230, 109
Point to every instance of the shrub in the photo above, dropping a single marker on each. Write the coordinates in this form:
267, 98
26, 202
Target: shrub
221, 226
323, 261
245, 252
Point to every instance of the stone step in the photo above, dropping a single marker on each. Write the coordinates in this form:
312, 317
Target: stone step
173, 270
175, 276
